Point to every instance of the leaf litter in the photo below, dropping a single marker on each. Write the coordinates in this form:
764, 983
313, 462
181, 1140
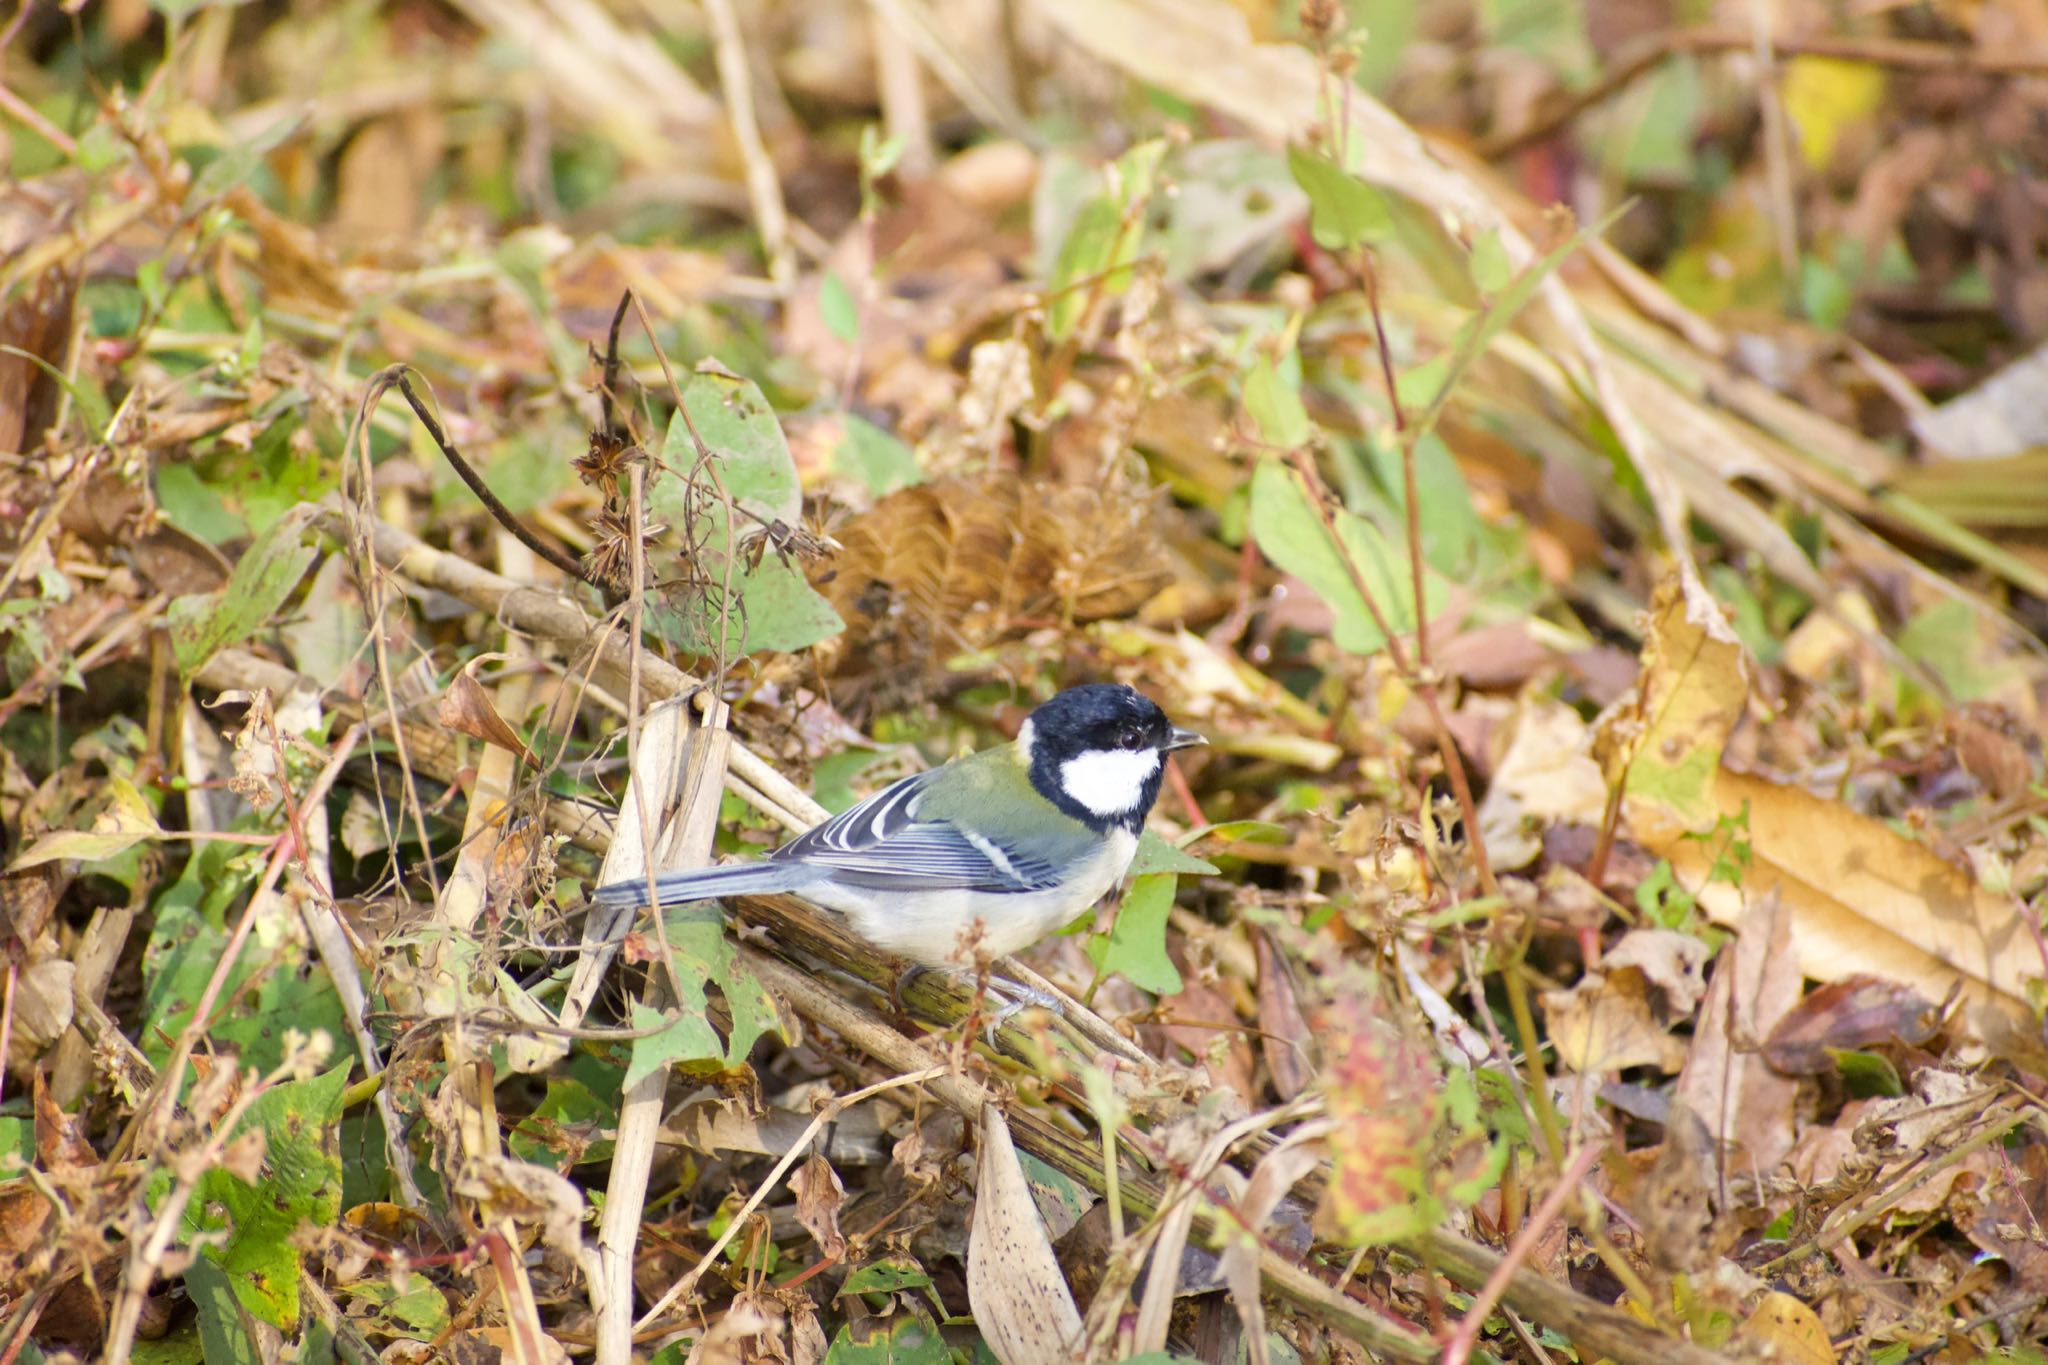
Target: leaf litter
1603, 924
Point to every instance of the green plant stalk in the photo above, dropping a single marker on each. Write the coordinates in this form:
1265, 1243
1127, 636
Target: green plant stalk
1532, 1052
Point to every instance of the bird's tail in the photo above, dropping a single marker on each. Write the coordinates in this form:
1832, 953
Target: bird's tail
702, 883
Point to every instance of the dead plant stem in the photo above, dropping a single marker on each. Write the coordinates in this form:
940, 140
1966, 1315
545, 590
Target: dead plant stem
1423, 685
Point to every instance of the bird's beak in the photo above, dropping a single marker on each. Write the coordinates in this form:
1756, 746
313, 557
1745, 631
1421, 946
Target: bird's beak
1183, 739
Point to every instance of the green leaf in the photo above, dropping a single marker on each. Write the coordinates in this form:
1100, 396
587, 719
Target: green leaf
191, 504
1275, 407
703, 956
1249, 831
838, 307
1135, 946
1491, 268
562, 1131
1344, 211
1104, 239
237, 163
882, 463
276, 984
203, 624
300, 1187
92, 404
687, 1037
885, 1277
777, 609
745, 441
125, 822
1085, 256
1480, 330
1291, 533
222, 1336
1156, 855
906, 1340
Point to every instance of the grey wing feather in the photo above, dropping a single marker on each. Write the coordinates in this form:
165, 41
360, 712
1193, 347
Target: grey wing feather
881, 845
877, 845
702, 883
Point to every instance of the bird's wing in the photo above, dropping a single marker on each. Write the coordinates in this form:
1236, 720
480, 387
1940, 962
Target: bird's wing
881, 844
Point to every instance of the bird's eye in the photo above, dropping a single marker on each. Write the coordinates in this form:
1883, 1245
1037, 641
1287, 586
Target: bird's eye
1130, 739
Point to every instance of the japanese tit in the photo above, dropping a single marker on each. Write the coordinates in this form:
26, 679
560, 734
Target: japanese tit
987, 854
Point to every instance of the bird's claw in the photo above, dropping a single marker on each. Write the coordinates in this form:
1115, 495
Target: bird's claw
1013, 997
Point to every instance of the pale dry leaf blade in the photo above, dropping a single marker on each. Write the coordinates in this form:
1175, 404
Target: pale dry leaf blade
1021, 1302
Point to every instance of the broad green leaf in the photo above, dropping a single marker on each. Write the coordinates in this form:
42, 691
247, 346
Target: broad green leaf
202, 624
300, 1187
223, 1339
191, 504
1275, 406
746, 445
1344, 211
686, 1037
1453, 532
1291, 533
882, 463
905, 1340
290, 989
1135, 946
563, 1129
125, 822
1156, 855
704, 957
776, 607
885, 1277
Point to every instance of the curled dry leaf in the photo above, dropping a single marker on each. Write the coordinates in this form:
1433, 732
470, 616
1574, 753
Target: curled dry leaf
1671, 1203
466, 708
1608, 1022
1546, 777
1863, 899
819, 1196
1021, 1303
1852, 1013
1744, 1101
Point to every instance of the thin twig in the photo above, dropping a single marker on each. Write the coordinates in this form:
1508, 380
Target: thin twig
827, 1114
499, 511
1460, 1345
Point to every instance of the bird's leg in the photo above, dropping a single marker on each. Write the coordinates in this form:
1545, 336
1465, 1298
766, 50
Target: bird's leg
1011, 996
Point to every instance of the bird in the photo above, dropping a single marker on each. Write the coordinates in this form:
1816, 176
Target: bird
984, 855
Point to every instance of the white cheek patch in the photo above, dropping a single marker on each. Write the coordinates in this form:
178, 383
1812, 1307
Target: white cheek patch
1109, 781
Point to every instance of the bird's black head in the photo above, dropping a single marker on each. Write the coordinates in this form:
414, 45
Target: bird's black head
1098, 753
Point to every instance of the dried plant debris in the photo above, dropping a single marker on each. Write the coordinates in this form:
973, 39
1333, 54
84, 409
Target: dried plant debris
456, 457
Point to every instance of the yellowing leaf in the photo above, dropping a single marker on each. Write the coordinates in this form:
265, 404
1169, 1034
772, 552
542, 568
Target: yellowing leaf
126, 822
1663, 742
1863, 899
1823, 96
1783, 1328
